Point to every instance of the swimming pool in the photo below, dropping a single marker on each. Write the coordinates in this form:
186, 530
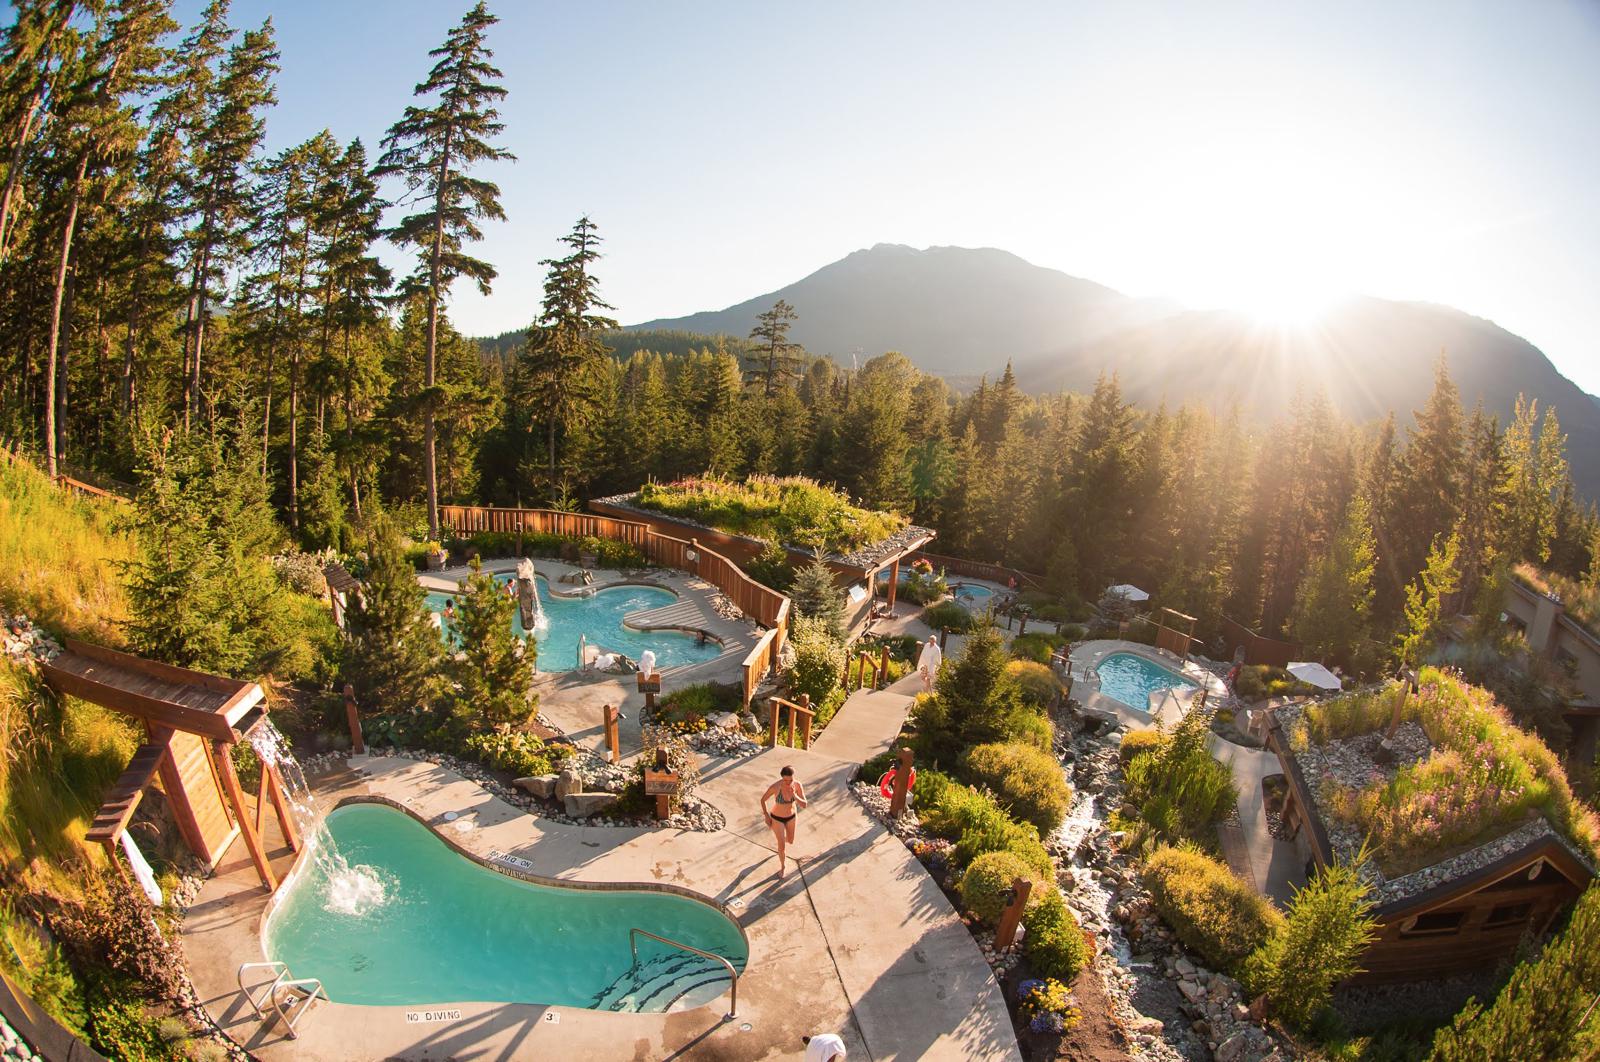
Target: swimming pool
975, 596
1131, 679
452, 931
598, 618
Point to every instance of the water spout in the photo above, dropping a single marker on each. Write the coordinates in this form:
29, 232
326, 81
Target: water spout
533, 617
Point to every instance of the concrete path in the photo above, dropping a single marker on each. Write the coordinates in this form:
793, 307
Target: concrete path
868, 722
859, 941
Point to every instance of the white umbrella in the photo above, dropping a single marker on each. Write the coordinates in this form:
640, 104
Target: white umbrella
1314, 674
1129, 591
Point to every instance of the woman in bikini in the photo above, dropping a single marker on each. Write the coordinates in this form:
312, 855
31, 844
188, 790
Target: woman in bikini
788, 797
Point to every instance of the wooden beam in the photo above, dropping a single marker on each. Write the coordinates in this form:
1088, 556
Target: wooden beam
280, 804
161, 712
125, 794
252, 840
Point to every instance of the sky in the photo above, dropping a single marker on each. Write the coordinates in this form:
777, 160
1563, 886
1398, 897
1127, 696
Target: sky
1267, 157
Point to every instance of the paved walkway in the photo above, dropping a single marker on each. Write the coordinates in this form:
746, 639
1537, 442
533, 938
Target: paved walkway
859, 941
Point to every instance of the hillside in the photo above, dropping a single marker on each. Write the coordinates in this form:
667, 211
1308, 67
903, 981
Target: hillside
963, 312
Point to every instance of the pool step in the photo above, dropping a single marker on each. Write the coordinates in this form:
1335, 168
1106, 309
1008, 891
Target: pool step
658, 983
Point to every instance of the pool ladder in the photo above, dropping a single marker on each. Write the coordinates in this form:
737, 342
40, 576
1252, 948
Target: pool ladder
733, 975
283, 994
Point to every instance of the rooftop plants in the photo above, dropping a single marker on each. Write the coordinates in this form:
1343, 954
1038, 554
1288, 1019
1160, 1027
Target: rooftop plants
791, 509
1483, 777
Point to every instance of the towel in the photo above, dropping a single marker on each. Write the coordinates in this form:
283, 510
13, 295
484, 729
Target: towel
141, 869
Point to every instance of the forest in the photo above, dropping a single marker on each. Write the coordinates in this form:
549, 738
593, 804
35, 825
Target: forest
162, 275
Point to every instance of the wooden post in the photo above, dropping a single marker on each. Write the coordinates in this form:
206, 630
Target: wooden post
694, 544
252, 840
613, 735
280, 804
944, 632
261, 797
772, 730
663, 801
1022, 624
1006, 934
894, 583
358, 744
902, 784
805, 721
883, 668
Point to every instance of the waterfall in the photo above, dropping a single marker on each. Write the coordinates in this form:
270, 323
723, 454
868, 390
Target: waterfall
353, 890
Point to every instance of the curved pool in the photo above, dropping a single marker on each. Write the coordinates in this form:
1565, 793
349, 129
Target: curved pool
597, 617
1131, 679
448, 930
974, 596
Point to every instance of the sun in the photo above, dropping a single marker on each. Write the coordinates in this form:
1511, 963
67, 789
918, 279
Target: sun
1284, 301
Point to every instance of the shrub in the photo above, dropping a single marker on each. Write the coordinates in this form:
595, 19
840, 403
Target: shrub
1036, 684
120, 1029
817, 597
1054, 944
516, 751
1027, 782
1139, 742
1025, 726
920, 588
1211, 911
973, 701
1178, 790
1036, 646
984, 885
829, 707
770, 567
689, 705
1542, 1010
948, 615
819, 660
977, 823
791, 509
1327, 930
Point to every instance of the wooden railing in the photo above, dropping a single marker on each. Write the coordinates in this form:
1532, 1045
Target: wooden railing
994, 573
863, 661
759, 662
800, 712
762, 604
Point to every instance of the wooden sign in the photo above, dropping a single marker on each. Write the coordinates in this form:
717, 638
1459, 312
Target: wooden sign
649, 683
660, 783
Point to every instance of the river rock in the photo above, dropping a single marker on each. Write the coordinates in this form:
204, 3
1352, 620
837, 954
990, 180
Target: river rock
543, 785
568, 783
1232, 1049
582, 805
1191, 990
726, 720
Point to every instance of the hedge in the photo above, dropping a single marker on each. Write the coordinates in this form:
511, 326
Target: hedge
976, 823
1027, 781
1054, 944
1036, 683
1212, 912
984, 885
949, 615
1138, 742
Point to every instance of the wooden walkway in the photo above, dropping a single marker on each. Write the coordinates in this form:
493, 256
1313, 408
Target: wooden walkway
869, 722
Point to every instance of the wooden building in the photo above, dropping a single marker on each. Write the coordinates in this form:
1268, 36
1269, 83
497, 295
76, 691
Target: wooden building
1468, 911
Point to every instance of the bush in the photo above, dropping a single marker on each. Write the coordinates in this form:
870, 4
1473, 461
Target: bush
1027, 782
984, 885
1054, 944
517, 752
689, 706
770, 567
1035, 682
792, 509
976, 823
1036, 646
828, 708
1178, 789
920, 588
1026, 726
1211, 911
1137, 743
120, 1029
819, 660
948, 615
1321, 943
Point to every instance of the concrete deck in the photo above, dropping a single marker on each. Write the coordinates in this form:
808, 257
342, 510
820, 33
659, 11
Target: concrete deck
860, 941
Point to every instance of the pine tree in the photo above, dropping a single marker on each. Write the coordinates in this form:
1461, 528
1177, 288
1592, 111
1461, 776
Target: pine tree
495, 668
972, 702
1330, 618
816, 596
1534, 469
1426, 601
776, 360
1431, 471
393, 653
431, 149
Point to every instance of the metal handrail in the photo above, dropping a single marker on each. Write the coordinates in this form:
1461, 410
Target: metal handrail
311, 986
733, 975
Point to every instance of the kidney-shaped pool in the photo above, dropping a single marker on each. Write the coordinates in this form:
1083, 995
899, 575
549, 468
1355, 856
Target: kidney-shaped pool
448, 930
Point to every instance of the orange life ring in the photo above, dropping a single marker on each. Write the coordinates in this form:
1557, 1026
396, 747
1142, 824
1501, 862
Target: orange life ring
886, 783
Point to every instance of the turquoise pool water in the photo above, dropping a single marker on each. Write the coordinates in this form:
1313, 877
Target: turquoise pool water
1131, 679
598, 617
973, 595
451, 931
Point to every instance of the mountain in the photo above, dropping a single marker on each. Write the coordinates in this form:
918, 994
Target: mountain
948, 308
961, 312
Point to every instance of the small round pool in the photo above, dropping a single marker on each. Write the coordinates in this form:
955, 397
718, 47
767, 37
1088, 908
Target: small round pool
598, 618
1131, 679
974, 596
448, 930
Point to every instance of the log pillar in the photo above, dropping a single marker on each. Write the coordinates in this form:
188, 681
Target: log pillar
883, 668
613, 734
358, 744
805, 722
902, 784
772, 729
280, 803
252, 840
1006, 934
894, 583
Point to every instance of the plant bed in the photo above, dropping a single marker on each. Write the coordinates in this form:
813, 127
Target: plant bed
1095, 1037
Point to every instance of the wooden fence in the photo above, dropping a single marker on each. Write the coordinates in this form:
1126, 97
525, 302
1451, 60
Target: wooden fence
1257, 649
759, 662
762, 604
970, 569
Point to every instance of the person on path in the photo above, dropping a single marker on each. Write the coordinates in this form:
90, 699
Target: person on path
788, 797
928, 663
824, 1047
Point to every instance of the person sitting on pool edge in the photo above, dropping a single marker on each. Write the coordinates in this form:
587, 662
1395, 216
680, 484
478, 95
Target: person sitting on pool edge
788, 797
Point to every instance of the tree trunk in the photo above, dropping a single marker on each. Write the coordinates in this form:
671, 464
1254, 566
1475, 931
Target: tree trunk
63, 377
13, 171
195, 332
55, 318
294, 438
430, 470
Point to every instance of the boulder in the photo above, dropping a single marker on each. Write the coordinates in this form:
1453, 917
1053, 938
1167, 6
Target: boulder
542, 786
582, 805
725, 720
1191, 990
1232, 1049
568, 784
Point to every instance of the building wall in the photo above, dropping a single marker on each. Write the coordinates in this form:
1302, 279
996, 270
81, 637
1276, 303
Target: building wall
1556, 635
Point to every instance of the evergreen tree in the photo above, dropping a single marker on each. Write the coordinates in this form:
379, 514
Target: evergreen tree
1534, 469
776, 360
1427, 599
495, 667
431, 148
1329, 926
392, 653
1331, 609
973, 701
1431, 471
816, 596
